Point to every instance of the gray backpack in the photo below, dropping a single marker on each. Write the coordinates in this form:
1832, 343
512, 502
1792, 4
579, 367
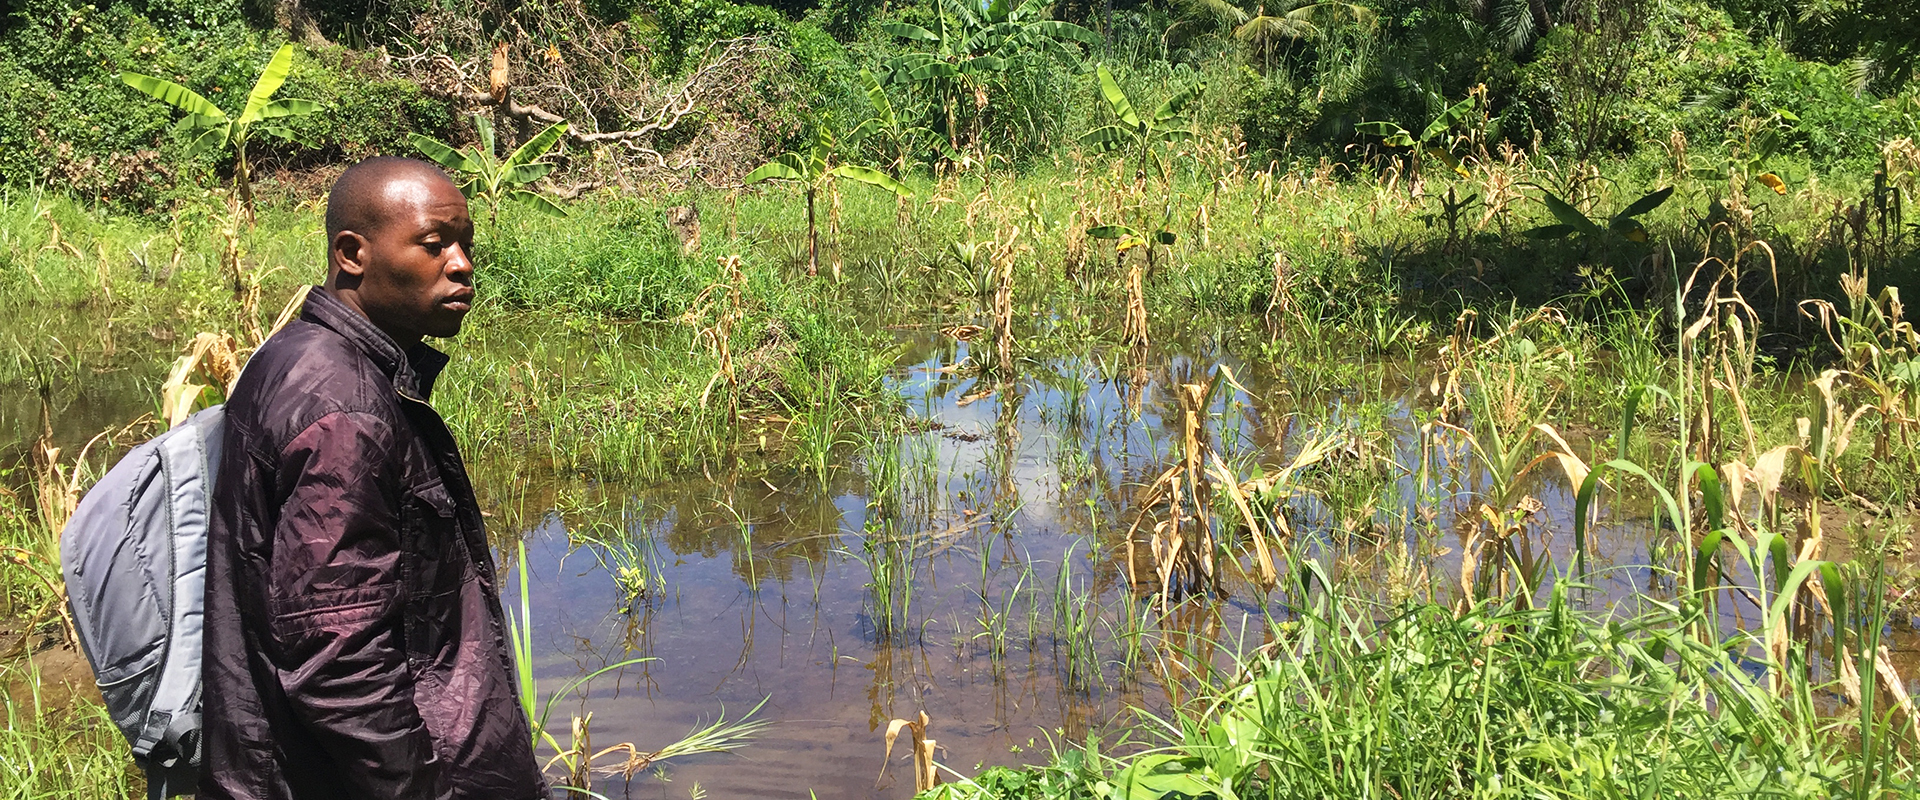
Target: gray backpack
134, 557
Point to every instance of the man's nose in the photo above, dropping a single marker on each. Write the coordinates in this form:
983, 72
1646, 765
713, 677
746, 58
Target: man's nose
459, 262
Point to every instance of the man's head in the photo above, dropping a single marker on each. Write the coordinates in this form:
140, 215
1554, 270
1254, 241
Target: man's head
399, 247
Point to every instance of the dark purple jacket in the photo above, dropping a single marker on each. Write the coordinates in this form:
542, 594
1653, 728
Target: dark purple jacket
355, 646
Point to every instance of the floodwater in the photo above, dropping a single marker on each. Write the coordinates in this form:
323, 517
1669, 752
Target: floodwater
1011, 514
976, 569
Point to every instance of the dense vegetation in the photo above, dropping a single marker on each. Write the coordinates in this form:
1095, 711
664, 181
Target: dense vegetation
1574, 78
1656, 248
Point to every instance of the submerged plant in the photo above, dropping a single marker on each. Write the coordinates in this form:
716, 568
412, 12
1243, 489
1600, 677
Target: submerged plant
1423, 702
1186, 544
577, 760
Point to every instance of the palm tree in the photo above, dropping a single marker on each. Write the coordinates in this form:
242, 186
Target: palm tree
1519, 22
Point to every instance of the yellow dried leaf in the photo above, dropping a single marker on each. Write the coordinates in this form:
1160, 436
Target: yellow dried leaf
176, 401
1770, 468
1734, 477
1262, 559
1773, 182
893, 732
1575, 468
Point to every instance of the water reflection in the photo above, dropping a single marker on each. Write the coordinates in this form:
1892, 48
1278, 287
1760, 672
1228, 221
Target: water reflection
976, 569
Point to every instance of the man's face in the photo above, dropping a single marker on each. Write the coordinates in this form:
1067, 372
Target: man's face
418, 267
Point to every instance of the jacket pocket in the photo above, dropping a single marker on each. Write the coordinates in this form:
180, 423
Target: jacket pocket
431, 541
295, 618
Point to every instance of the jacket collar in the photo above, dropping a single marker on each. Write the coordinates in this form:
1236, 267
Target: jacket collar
412, 371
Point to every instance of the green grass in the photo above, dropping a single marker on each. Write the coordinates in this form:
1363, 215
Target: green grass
63, 751
1354, 699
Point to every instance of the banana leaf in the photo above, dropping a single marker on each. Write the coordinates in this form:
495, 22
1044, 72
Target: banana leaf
537, 202
440, 153
1568, 215
523, 174
1443, 123
871, 177
288, 107
535, 147
1178, 103
909, 31
271, 79
784, 167
174, 94
1108, 138
1116, 99
1646, 203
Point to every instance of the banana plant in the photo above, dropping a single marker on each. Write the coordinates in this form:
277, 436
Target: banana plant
1748, 152
887, 124
207, 127
1139, 137
1133, 133
1127, 237
1626, 223
815, 170
1432, 141
484, 176
974, 45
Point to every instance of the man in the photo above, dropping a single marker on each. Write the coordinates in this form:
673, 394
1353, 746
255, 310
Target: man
355, 646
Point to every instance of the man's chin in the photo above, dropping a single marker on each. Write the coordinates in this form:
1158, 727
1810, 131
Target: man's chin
446, 330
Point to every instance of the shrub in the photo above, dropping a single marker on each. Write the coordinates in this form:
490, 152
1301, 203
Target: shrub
365, 110
1275, 112
66, 119
618, 261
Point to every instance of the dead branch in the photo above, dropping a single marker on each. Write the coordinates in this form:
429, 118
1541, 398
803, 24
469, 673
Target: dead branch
571, 191
725, 71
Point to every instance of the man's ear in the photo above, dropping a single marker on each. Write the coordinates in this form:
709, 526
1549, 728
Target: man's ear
347, 257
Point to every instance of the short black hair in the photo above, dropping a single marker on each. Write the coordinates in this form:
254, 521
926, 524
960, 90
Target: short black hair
352, 204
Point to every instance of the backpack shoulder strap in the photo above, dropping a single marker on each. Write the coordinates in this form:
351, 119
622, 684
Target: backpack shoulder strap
189, 460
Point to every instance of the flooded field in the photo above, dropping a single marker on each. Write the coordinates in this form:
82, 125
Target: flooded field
978, 567
799, 515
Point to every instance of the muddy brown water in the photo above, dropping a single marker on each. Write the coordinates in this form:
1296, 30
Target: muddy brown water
758, 580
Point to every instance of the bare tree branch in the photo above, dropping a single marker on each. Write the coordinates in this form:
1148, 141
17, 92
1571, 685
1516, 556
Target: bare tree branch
714, 75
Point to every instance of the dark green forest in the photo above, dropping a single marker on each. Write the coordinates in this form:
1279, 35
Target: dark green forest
728, 85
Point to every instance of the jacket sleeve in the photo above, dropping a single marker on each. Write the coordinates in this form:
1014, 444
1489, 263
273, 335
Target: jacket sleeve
337, 601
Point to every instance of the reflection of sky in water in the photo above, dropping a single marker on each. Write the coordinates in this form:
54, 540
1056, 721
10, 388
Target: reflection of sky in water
761, 586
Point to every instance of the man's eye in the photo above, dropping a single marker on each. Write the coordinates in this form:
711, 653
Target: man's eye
435, 247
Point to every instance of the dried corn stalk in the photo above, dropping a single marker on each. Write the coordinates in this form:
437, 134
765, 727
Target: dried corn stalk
1182, 545
1280, 302
1135, 332
211, 360
923, 774
1003, 259
719, 338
